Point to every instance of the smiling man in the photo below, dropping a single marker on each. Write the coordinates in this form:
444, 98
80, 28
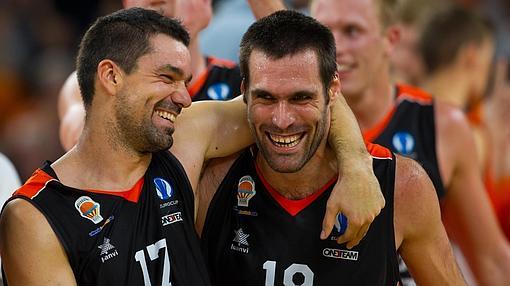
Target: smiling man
262, 207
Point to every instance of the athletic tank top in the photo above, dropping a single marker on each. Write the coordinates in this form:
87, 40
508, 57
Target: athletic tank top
220, 81
143, 236
255, 236
409, 130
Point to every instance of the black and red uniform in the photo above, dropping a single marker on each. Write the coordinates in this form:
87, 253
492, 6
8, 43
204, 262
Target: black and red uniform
142, 236
254, 236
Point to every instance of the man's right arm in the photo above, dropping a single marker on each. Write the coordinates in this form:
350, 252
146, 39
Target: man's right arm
419, 234
31, 253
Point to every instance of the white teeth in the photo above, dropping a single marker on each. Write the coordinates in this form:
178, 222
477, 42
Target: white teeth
166, 115
285, 141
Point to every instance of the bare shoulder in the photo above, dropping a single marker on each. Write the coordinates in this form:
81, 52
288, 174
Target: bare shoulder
416, 200
450, 119
455, 141
30, 250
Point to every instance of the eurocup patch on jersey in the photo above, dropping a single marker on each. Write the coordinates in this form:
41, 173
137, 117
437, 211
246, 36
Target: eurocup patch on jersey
404, 143
218, 91
88, 209
340, 224
163, 189
245, 191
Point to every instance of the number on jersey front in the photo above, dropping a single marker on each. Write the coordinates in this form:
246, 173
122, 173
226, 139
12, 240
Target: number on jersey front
289, 275
153, 251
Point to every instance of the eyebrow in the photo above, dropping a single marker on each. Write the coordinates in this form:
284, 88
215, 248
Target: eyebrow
175, 70
262, 92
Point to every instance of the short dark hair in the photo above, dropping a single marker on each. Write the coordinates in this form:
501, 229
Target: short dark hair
123, 37
286, 33
447, 32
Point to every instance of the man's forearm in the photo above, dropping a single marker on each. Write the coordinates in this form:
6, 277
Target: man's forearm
345, 137
262, 8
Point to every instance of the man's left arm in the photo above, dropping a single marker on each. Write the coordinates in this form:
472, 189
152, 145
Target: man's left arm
357, 195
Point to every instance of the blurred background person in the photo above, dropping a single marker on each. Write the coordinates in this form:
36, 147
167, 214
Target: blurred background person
410, 122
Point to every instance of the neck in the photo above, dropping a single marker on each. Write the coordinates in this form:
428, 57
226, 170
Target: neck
449, 85
373, 104
307, 181
198, 63
100, 163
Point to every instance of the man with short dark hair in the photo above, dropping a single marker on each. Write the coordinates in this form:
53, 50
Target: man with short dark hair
262, 207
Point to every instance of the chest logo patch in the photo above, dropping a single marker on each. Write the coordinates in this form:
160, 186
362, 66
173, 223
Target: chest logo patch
340, 254
218, 91
163, 189
108, 251
88, 209
245, 191
404, 143
240, 241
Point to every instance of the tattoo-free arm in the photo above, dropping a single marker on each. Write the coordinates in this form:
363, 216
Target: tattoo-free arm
31, 253
357, 195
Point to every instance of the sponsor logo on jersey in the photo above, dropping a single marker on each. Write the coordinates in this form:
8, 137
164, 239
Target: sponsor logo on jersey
99, 229
404, 143
245, 212
171, 218
108, 251
340, 254
218, 91
163, 189
240, 241
88, 209
245, 191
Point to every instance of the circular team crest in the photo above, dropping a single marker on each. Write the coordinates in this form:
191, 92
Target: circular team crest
403, 142
218, 91
163, 188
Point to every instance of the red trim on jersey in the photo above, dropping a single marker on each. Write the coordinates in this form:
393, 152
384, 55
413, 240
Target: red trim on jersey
404, 92
413, 93
378, 151
197, 85
214, 61
293, 207
131, 195
34, 184
374, 132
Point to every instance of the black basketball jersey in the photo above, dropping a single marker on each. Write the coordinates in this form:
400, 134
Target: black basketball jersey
143, 236
409, 130
254, 236
220, 81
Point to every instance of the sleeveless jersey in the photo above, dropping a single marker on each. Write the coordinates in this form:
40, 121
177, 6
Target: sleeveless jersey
220, 81
255, 236
144, 236
409, 130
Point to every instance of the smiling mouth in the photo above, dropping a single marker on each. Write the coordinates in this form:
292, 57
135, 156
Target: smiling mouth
166, 115
285, 141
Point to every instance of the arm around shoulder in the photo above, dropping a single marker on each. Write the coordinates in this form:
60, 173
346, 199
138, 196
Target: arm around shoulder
419, 233
31, 253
